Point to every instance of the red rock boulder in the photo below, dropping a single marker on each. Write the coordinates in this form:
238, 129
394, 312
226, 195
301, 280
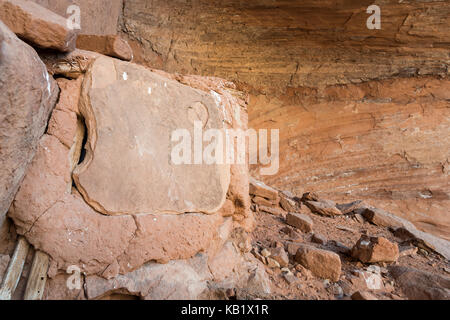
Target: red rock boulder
375, 249
28, 95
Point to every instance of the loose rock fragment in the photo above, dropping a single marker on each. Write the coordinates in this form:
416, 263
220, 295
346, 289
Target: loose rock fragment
258, 255
303, 272
363, 295
279, 255
349, 207
318, 238
310, 196
265, 253
258, 188
287, 204
407, 251
322, 263
290, 278
324, 207
340, 247
264, 202
271, 263
375, 249
344, 228
358, 217
421, 285
292, 248
300, 221
337, 291
271, 210
109, 45
70, 65
289, 231
380, 218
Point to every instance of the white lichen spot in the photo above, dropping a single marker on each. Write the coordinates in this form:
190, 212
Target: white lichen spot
364, 243
165, 84
125, 76
374, 269
348, 174
171, 196
237, 114
141, 147
425, 196
373, 281
189, 204
47, 79
149, 91
217, 98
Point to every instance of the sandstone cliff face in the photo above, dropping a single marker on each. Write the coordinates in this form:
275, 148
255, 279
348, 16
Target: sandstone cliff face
272, 45
384, 141
362, 113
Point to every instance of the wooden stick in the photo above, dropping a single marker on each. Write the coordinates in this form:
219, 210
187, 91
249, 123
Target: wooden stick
37, 277
14, 271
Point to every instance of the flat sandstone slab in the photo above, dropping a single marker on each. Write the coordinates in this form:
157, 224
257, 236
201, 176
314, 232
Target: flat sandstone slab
130, 115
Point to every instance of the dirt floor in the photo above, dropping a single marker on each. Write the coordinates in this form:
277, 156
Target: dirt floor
341, 233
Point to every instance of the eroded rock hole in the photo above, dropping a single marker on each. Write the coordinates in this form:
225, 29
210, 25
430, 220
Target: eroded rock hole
82, 151
78, 151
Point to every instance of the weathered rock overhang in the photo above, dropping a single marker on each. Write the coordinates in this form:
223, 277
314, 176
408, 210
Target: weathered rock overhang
362, 112
273, 45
